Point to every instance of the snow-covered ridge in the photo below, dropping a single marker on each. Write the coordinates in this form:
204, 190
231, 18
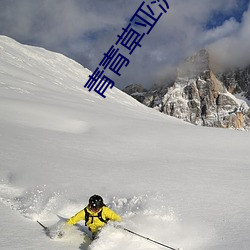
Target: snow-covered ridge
34, 73
182, 185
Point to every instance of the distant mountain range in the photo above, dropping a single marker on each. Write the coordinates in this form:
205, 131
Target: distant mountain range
201, 94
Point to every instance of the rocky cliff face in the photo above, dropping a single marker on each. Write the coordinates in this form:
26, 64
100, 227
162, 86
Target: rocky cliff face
237, 81
201, 97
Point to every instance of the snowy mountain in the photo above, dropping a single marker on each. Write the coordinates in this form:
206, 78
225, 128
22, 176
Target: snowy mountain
201, 96
182, 185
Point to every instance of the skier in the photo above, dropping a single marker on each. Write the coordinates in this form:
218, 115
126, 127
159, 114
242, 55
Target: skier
95, 214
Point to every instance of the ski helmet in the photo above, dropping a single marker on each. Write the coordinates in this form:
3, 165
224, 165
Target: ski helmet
95, 202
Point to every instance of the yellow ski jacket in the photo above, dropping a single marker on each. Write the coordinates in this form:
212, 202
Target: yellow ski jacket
94, 223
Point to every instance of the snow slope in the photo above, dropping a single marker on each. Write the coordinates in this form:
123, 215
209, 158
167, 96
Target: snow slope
176, 183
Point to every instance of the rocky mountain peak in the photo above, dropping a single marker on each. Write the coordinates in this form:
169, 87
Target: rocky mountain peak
200, 96
197, 64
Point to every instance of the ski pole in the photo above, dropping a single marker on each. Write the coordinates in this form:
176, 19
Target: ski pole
146, 238
45, 228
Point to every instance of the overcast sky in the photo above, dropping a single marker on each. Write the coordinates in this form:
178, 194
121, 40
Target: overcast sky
86, 29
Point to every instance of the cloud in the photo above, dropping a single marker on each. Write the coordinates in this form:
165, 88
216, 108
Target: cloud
85, 29
233, 49
226, 29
